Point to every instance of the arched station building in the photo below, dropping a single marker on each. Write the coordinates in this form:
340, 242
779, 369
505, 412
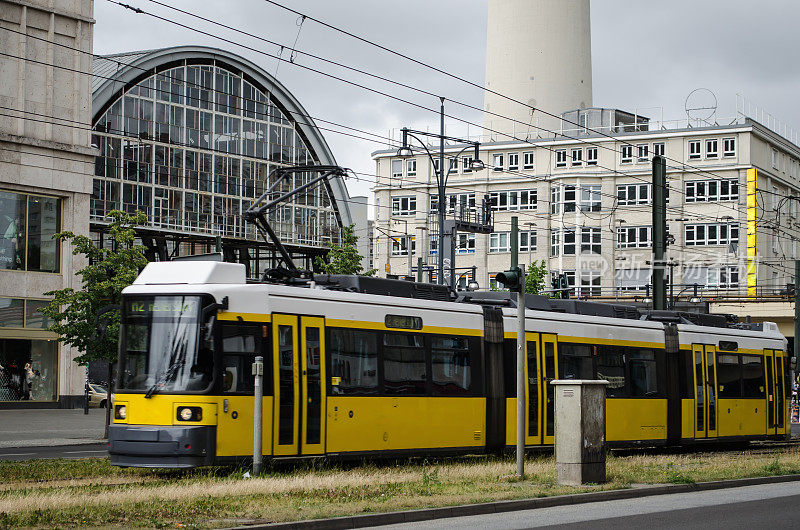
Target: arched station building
189, 135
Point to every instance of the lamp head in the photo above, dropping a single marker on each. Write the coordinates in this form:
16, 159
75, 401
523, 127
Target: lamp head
473, 286
477, 165
405, 152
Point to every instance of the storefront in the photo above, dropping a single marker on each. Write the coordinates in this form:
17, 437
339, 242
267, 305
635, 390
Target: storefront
29, 353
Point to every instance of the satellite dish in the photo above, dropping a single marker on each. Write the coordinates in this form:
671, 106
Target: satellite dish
701, 104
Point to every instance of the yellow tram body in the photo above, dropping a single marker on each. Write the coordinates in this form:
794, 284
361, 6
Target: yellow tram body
353, 374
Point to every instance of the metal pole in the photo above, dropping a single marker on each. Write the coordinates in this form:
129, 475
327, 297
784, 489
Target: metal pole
410, 256
419, 270
520, 349
659, 231
258, 372
440, 275
796, 341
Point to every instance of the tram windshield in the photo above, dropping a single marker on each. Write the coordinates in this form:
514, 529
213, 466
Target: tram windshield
167, 344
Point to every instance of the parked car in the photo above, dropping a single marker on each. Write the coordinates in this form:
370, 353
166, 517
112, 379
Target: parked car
98, 396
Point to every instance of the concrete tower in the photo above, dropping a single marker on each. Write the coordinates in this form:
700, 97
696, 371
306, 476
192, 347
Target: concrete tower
538, 52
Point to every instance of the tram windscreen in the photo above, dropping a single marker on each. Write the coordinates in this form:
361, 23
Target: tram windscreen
166, 345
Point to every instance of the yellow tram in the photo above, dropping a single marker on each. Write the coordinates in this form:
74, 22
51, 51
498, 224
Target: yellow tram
367, 366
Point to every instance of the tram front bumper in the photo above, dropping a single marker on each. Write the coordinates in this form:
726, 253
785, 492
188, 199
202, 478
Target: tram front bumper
161, 446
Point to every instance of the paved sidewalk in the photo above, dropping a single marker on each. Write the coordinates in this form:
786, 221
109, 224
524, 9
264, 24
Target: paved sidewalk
47, 427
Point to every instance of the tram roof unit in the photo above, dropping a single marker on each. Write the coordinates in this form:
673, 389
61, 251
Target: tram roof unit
224, 279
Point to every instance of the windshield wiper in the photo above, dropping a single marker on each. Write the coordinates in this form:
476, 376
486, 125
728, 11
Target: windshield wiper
171, 371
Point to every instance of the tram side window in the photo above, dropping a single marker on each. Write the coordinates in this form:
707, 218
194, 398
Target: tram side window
728, 376
611, 367
240, 345
575, 361
752, 376
404, 369
354, 361
644, 382
450, 365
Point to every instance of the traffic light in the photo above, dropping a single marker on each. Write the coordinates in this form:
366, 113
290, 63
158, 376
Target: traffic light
511, 279
564, 285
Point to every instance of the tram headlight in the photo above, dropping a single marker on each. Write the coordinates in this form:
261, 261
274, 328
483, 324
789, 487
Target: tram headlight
121, 412
190, 413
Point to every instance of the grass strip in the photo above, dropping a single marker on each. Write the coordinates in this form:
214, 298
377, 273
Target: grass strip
73, 493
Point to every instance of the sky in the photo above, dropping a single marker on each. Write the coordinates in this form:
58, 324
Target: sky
646, 56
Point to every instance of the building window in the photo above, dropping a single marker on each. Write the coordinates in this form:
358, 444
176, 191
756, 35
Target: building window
527, 241
712, 190
658, 149
634, 237
633, 194
27, 226
728, 147
694, 150
466, 164
562, 242
563, 198
513, 161
404, 205
400, 245
577, 157
642, 153
774, 159
497, 164
465, 244
499, 242
723, 277
435, 163
458, 203
561, 158
493, 284
590, 240
411, 167
711, 234
632, 279
527, 160
590, 198
590, 283
513, 200
452, 165
591, 156
626, 154
712, 148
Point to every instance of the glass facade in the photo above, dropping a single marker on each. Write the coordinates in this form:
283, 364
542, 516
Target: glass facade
27, 225
193, 145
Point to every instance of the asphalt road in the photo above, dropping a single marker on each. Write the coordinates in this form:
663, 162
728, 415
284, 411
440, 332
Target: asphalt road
54, 451
747, 508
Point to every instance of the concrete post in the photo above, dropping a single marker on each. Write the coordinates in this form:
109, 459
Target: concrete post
580, 431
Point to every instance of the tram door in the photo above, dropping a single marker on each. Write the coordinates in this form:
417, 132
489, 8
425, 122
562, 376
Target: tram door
541, 367
299, 373
705, 391
776, 394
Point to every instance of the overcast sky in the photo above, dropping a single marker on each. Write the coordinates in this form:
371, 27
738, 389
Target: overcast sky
646, 55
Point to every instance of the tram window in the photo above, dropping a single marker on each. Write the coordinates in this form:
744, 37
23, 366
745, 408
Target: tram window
240, 345
575, 361
354, 361
611, 367
404, 370
752, 376
510, 367
643, 373
450, 366
728, 376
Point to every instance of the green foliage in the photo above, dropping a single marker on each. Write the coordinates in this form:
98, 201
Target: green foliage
344, 258
535, 277
110, 270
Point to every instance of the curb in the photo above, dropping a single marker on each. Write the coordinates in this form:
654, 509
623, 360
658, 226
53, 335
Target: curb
427, 514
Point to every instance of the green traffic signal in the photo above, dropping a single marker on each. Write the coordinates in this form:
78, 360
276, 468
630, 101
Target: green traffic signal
511, 279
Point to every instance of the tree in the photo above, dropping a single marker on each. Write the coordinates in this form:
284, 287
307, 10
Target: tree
535, 277
75, 313
344, 259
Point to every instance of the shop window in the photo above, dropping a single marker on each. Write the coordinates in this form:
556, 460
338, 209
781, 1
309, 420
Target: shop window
28, 370
354, 361
404, 371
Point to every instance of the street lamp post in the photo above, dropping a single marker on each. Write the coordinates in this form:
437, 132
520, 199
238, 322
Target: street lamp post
441, 176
